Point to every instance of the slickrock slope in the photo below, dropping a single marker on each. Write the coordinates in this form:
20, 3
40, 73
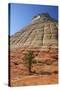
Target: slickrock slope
41, 37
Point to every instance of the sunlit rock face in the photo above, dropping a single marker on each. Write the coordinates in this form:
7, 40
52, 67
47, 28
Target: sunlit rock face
41, 37
42, 33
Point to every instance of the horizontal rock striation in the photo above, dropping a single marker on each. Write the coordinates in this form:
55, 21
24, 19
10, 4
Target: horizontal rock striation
41, 37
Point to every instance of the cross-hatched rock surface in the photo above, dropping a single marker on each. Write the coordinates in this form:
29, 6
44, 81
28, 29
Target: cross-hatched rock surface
40, 33
41, 37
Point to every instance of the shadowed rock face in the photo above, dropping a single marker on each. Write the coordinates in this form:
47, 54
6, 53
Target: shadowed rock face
41, 37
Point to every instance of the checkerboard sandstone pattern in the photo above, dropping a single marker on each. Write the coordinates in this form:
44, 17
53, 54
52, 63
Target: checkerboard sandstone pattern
41, 37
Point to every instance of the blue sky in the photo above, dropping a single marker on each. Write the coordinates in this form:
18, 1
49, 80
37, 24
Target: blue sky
21, 14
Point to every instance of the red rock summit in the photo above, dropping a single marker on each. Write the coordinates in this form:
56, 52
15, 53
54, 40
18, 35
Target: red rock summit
41, 37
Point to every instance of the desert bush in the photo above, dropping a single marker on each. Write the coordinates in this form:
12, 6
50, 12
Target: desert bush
28, 58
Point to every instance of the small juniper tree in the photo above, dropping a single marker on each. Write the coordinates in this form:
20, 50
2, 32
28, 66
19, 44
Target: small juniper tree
28, 58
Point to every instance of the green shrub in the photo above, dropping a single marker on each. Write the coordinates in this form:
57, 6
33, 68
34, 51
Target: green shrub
28, 58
